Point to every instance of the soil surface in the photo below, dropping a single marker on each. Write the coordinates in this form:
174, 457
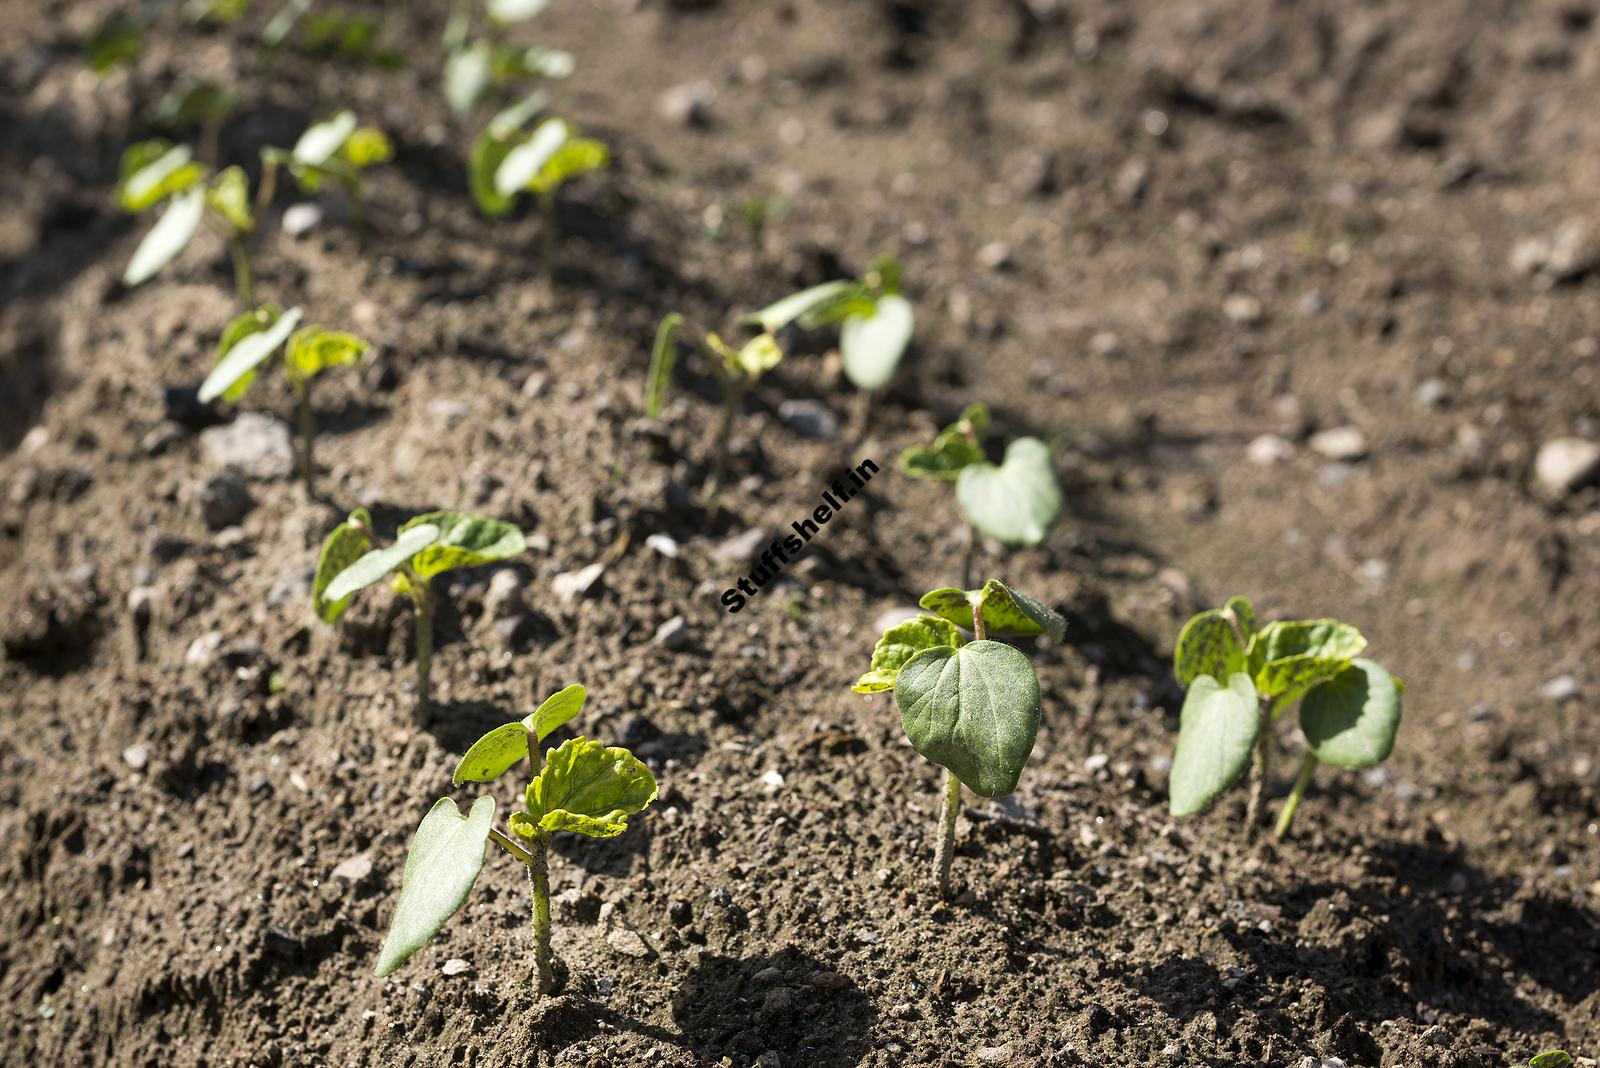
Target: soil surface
1183, 241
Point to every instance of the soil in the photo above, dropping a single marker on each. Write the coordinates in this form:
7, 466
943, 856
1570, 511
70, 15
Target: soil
1151, 232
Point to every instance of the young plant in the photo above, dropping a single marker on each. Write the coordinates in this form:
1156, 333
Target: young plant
476, 67
508, 160
736, 371
1014, 502
1242, 678
580, 786
1554, 1058
252, 338
970, 707
337, 149
157, 171
427, 545
874, 320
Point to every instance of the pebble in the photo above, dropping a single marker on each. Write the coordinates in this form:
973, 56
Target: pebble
1267, 449
224, 501
291, 588
354, 869
255, 444
573, 584
301, 219
741, 547
809, 418
664, 545
448, 409
772, 780
994, 1054
627, 942
1565, 464
204, 650
1243, 309
505, 594
829, 980
456, 966
995, 256
673, 634
1569, 252
136, 756
687, 105
1344, 443
1560, 688
1432, 393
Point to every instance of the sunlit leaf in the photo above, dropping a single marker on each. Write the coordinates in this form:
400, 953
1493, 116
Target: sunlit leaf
314, 350
556, 710
229, 197
464, 540
587, 788
900, 643
1016, 502
322, 139
368, 146
1208, 645
443, 864
956, 447
373, 566
167, 237
663, 355
1287, 658
779, 314
872, 344
1216, 736
540, 62
154, 170
521, 165
1350, 721
466, 79
255, 321
515, 10
248, 353
496, 752
1005, 611
974, 710
577, 156
347, 543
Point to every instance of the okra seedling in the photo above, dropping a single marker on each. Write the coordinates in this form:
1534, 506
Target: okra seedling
252, 338
1242, 678
337, 149
428, 545
970, 707
736, 371
508, 160
579, 786
874, 320
1014, 502
474, 67
157, 171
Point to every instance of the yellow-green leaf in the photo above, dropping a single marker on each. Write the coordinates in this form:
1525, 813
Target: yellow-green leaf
313, 350
900, 643
229, 197
588, 788
465, 540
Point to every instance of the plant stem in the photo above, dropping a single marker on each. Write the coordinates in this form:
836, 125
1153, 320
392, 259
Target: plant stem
1308, 768
539, 882
547, 234
422, 599
308, 470
266, 190
944, 852
1258, 789
505, 842
966, 557
243, 283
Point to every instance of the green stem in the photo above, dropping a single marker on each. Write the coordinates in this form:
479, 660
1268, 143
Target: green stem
1258, 789
266, 190
308, 470
966, 557
422, 598
944, 851
243, 282
539, 883
504, 842
1308, 768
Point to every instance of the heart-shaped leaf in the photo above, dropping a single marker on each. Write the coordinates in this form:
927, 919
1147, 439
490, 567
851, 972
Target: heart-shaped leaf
587, 788
779, 314
1350, 721
445, 859
1216, 734
1287, 658
167, 237
515, 10
343, 547
521, 165
543, 62
248, 353
900, 643
1005, 611
1208, 645
494, 754
1016, 502
872, 344
465, 540
367, 147
1244, 614
373, 566
955, 448
322, 139
974, 710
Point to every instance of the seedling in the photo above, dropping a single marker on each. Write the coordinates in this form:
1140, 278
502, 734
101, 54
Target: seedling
337, 149
1242, 678
508, 160
970, 707
252, 338
117, 40
1014, 502
874, 320
157, 171
1555, 1058
580, 786
428, 545
736, 371
474, 68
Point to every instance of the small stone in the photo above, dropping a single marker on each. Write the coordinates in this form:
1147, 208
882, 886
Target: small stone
772, 780
1243, 309
292, 589
741, 547
1096, 762
455, 966
505, 594
627, 942
1342, 443
136, 756
224, 501
255, 444
673, 634
767, 976
571, 585
1560, 688
204, 650
903, 1011
281, 942
829, 980
1432, 393
994, 1054
354, 869
995, 256
448, 409
299, 219
1267, 449
1132, 180
687, 105
809, 418
663, 544
1565, 464
1333, 1062
513, 631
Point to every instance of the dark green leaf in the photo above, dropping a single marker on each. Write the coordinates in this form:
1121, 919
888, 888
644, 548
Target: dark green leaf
588, 788
229, 197
1244, 614
1216, 735
373, 566
1350, 721
1005, 611
117, 40
900, 643
956, 447
1287, 658
465, 540
974, 710
343, 547
445, 859
1208, 645
1554, 1058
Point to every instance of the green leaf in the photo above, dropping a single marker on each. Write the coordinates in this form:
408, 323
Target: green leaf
1016, 502
195, 104
872, 344
1555, 1058
167, 237
1005, 611
368, 146
900, 643
445, 859
758, 355
344, 546
1207, 645
229, 197
510, 120
466, 79
883, 275
538, 62
974, 710
152, 171
578, 156
1351, 720
249, 352
242, 326
776, 316
663, 354
314, 350
1216, 735
1287, 658
116, 40
488, 153
956, 447
587, 788
465, 540
504, 11
522, 164
555, 711
493, 754
1244, 614
322, 139
373, 566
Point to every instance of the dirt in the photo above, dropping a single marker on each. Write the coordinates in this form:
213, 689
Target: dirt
1149, 232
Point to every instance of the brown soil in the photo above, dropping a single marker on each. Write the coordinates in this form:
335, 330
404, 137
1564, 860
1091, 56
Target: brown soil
1221, 219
